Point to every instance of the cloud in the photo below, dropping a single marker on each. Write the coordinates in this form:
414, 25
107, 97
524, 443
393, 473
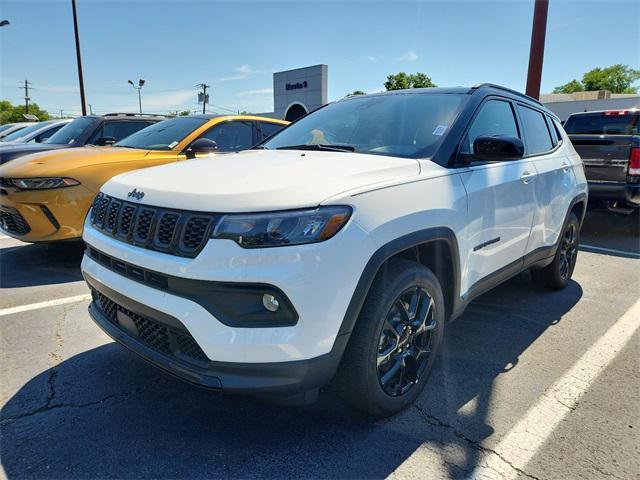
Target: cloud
151, 102
410, 56
261, 91
242, 72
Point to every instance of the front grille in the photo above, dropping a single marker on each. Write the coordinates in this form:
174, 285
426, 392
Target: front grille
12, 222
158, 336
178, 232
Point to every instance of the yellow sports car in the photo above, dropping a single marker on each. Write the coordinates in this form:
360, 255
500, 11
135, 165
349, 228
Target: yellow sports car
45, 197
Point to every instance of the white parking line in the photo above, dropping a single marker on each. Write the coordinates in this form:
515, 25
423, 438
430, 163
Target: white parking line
522, 442
49, 303
592, 248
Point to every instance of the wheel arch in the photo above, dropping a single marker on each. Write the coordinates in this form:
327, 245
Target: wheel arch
435, 248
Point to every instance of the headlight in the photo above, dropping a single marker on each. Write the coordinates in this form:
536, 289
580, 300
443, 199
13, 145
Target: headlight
277, 229
42, 183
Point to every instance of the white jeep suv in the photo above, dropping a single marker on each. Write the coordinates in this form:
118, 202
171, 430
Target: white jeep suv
338, 248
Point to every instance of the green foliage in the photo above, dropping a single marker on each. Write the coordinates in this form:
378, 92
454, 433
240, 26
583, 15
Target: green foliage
14, 113
570, 87
617, 78
402, 80
355, 92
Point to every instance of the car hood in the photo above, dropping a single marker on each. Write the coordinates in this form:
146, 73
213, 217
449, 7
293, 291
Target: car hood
64, 162
9, 151
259, 180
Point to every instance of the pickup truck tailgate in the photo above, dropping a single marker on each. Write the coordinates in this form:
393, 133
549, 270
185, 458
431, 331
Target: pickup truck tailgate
605, 157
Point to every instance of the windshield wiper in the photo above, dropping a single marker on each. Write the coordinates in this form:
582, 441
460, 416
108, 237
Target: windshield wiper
320, 147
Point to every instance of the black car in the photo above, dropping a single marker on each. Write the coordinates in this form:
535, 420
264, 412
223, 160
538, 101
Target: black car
609, 144
88, 130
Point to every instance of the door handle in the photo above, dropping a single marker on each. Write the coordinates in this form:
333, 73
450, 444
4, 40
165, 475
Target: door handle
526, 177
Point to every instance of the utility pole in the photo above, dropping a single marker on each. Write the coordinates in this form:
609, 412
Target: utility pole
202, 96
26, 96
79, 60
90, 109
536, 53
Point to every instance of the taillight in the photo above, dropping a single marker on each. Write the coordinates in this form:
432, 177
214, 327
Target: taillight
634, 162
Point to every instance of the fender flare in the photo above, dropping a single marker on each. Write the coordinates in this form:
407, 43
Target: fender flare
387, 251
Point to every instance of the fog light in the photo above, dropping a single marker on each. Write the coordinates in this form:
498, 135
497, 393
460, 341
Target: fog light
270, 302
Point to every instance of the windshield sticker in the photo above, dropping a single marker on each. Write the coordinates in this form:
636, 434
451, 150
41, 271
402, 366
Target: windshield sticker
440, 129
172, 144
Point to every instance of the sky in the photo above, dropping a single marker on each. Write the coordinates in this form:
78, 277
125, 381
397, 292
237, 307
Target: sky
236, 46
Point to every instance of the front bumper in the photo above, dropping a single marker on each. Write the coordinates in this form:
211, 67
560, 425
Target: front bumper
615, 191
49, 215
165, 342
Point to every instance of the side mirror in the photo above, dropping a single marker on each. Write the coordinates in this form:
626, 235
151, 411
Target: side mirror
499, 147
102, 141
201, 145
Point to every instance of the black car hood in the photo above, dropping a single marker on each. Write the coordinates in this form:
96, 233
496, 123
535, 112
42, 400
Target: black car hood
15, 150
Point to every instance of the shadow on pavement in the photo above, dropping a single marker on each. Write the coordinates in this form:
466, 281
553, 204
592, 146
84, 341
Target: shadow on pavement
105, 413
611, 230
37, 264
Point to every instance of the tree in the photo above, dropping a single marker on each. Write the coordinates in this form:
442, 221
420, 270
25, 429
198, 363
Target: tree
402, 80
355, 92
570, 87
15, 113
616, 78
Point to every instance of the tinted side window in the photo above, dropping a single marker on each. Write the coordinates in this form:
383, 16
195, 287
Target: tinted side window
268, 129
495, 118
231, 136
553, 130
538, 139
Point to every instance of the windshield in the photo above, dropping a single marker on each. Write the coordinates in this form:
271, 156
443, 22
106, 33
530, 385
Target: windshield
6, 126
164, 135
71, 131
22, 132
401, 125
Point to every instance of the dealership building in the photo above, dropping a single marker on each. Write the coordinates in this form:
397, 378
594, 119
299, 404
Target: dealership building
299, 91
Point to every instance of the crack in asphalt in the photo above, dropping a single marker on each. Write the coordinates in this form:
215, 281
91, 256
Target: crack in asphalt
48, 407
472, 443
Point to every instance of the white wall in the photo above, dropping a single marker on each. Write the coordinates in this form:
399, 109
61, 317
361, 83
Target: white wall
564, 109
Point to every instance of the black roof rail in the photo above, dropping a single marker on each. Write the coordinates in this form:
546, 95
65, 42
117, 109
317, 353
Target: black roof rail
510, 90
124, 114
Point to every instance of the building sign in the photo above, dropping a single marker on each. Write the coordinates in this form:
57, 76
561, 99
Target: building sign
296, 86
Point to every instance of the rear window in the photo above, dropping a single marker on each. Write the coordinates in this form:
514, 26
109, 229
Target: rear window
602, 124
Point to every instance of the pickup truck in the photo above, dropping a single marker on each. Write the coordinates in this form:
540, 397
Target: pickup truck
609, 145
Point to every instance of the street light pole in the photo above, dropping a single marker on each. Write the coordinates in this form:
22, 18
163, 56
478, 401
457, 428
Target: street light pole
79, 60
139, 87
536, 53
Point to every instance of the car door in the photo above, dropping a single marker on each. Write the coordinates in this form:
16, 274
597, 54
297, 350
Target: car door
555, 180
500, 199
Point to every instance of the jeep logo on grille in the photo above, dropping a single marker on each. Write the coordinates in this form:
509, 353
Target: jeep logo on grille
135, 194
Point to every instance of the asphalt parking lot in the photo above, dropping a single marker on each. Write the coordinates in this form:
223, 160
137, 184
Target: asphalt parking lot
530, 384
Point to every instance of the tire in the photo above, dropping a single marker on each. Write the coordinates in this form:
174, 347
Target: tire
557, 274
406, 341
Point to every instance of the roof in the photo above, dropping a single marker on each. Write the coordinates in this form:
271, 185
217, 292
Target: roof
597, 112
465, 91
